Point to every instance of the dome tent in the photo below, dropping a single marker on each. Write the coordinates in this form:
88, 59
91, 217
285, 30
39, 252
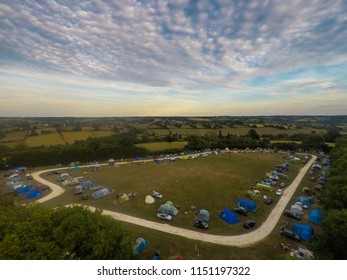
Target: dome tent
203, 215
315, 217
229, 217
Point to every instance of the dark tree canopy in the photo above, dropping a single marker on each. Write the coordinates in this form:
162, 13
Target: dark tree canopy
34, 232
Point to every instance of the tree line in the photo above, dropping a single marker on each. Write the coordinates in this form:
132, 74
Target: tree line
331, 244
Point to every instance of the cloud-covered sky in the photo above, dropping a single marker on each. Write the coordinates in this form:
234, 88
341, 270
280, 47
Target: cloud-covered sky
172, 57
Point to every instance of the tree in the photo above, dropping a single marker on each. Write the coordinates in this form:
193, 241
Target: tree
253, 134
70, 233
332, 134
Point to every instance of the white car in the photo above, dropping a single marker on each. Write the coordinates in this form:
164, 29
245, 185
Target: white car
301, 205
164, 216
279, 192
157, 194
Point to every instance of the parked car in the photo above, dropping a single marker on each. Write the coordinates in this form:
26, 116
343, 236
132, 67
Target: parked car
291, 214
201, 224
157, 194
279, 192
241, 210
249, 224
268, 200
164, 216
290, 234
301, 205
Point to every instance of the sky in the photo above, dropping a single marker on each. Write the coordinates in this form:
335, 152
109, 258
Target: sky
172, 58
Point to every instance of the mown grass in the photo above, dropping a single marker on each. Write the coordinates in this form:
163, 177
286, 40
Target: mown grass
213, 183
162, 146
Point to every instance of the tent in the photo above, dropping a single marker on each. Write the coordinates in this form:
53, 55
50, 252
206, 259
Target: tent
87, 184
305, 231
34, 194
123, 198
315, 217
264, 187
101, 193
149, 199
296, 209
76, 168
304, 200
168, 209
252, 195
250, 206
306, 190
141, 245
229, 217
58, 165
23, 189
203, 215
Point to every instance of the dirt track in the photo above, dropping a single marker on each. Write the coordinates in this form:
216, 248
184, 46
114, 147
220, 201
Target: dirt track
243, 240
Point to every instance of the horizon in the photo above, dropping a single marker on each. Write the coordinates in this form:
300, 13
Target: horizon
185, 58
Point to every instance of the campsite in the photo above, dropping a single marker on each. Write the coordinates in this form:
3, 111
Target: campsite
214, 183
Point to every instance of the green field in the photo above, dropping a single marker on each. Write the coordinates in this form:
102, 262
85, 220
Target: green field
44, 140
236, 131
162, 146
17, 136
213, 183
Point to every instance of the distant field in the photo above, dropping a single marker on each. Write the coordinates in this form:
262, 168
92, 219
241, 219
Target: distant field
15, 136
45, 140
102, 133
236, 131
243, 131
298, 142
69, 137
161, 146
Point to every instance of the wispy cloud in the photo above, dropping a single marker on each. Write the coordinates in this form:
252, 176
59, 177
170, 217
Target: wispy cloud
208, 52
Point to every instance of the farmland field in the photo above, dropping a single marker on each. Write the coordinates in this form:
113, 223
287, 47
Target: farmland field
44, 140
17, 136
161, 146
241, 130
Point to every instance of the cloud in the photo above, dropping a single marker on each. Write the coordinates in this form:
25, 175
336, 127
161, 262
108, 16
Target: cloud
189, 46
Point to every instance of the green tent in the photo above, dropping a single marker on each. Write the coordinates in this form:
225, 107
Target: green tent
306, 190
251, 195
167, 209
203, 215
123, 198
264, 187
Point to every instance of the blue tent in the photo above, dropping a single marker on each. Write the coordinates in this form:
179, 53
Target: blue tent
250, 206
23, 189
34, 194
203, 215
305, 231
229, 217
304, 200
315, 217
141, 245
87, 184
101, 193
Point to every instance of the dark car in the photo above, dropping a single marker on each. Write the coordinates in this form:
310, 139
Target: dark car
241, 210
249, 224
201, 224
290, 234
292, 215
268, 200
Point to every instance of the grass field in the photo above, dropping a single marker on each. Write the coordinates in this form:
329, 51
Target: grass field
212, 183
236, 131
161, 146
44, 140
17, 136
